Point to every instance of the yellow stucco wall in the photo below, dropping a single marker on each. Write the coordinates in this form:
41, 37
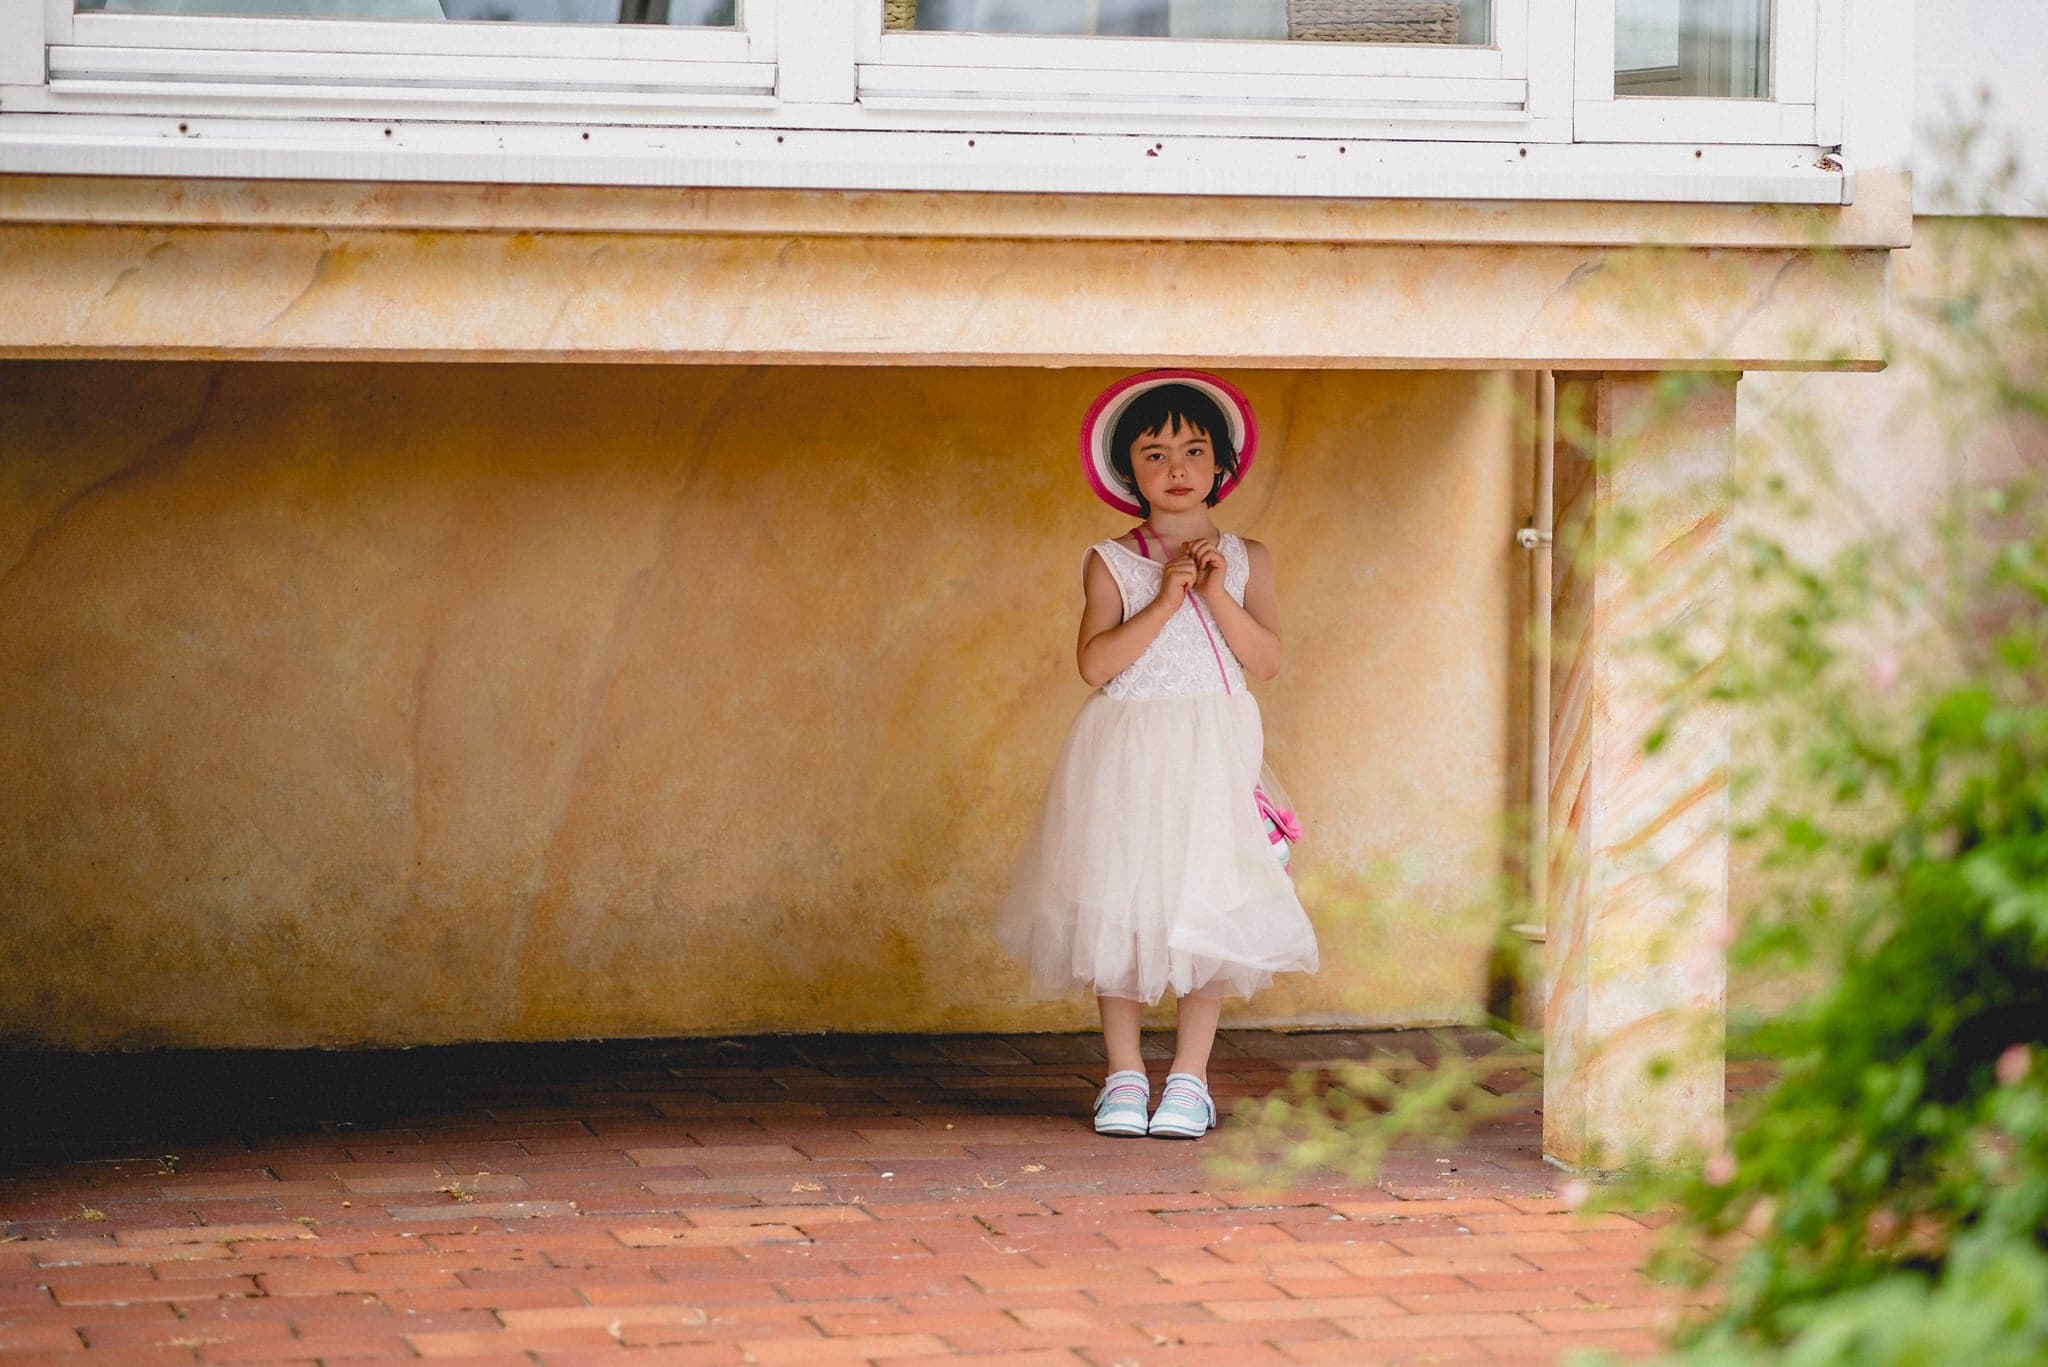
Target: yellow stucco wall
432, 702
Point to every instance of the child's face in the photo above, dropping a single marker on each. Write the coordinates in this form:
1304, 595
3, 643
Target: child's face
1175, 468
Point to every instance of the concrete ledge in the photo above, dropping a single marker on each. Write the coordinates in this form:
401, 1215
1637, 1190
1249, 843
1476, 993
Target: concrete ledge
1881, 216
291, 293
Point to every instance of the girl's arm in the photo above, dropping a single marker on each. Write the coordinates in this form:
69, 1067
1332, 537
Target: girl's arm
1254, 629
1108, 644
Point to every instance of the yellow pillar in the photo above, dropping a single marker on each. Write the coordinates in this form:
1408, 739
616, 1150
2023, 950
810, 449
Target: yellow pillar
1638, 892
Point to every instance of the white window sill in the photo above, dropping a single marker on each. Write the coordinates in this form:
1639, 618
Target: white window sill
564, 153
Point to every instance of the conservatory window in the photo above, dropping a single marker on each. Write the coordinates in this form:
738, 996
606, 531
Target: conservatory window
688, 13
1326, 21
1762, 72
1457, 69
1715, 49
450, 60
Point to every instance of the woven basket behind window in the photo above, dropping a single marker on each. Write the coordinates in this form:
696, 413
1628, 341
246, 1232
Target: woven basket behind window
1315, 21
1372, 21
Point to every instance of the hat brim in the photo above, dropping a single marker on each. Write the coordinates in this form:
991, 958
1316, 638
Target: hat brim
1100, 424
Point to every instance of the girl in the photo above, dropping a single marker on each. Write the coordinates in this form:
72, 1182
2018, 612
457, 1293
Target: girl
1149, 868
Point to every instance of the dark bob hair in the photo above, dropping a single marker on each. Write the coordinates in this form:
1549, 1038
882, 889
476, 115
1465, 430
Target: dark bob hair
1168, 408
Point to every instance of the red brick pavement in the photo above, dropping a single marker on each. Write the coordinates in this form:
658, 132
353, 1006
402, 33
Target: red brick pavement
771, 1201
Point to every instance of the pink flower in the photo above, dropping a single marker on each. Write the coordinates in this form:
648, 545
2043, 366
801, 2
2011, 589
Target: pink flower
1283, 818
1720, 1169
2013, 1064
1573, 1194
1884, 670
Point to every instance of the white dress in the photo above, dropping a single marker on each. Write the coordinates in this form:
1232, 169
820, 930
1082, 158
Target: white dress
1148, 870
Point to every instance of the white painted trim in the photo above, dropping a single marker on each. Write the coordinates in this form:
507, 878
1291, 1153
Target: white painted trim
761, 23
1356, 123
72, 65
1552, 43
1831, 71
1878, 65
24, 33
1313, 96
331, 108
1795, 41
1511, 36
818, 43
852, 159
1184, 57
217, 33
867, 30
1693, 121
1593, 58
744, 109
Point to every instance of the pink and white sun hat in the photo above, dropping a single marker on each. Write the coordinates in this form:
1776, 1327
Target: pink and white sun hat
1100, 423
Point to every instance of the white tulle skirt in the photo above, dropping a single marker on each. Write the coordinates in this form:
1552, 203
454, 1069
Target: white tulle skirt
1148, 870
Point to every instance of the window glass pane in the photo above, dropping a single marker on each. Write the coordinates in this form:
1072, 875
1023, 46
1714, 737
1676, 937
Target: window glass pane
1301, 21
1720, 49
696, 13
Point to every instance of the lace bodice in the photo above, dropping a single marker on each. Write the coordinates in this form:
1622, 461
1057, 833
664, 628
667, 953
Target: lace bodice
1180, 662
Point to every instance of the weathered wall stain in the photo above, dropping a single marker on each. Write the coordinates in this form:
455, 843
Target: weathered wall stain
432, 702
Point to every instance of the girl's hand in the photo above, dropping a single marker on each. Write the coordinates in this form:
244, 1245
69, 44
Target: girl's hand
1177, 580
1210, 567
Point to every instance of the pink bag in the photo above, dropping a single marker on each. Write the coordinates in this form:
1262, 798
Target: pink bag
1282, 830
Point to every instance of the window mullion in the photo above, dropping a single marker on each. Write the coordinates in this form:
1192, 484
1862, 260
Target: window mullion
817, 47
1795, 43
1552, 53
762, 21
1830, 68
24, 34
1593, 69
1511, 36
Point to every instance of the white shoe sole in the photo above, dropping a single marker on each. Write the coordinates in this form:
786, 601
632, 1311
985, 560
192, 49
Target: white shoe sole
1172, 1131
1122, 1129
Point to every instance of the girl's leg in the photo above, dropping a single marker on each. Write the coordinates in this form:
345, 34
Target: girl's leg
1120, 1019
1195, 1031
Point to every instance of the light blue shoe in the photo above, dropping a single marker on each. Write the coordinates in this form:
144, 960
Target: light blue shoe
1186, 1110
1120, 1105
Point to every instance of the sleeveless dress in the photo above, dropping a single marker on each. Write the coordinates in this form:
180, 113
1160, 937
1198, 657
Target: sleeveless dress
1148, 869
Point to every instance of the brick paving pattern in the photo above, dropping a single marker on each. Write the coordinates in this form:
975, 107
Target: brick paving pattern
789, 1200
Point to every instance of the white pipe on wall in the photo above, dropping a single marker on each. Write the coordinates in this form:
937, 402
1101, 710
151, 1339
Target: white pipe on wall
1537, 538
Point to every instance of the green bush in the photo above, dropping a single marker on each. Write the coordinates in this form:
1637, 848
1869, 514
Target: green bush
1885, 1200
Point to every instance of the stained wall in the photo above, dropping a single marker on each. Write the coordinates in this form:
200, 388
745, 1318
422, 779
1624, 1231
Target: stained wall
349, 703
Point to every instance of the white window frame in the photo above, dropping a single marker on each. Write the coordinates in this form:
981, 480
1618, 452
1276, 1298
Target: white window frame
1515, 88
777, 104
1804, 106
247, 66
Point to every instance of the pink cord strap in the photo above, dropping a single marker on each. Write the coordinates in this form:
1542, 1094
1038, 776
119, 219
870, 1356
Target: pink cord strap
1200, 617
1143, 549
